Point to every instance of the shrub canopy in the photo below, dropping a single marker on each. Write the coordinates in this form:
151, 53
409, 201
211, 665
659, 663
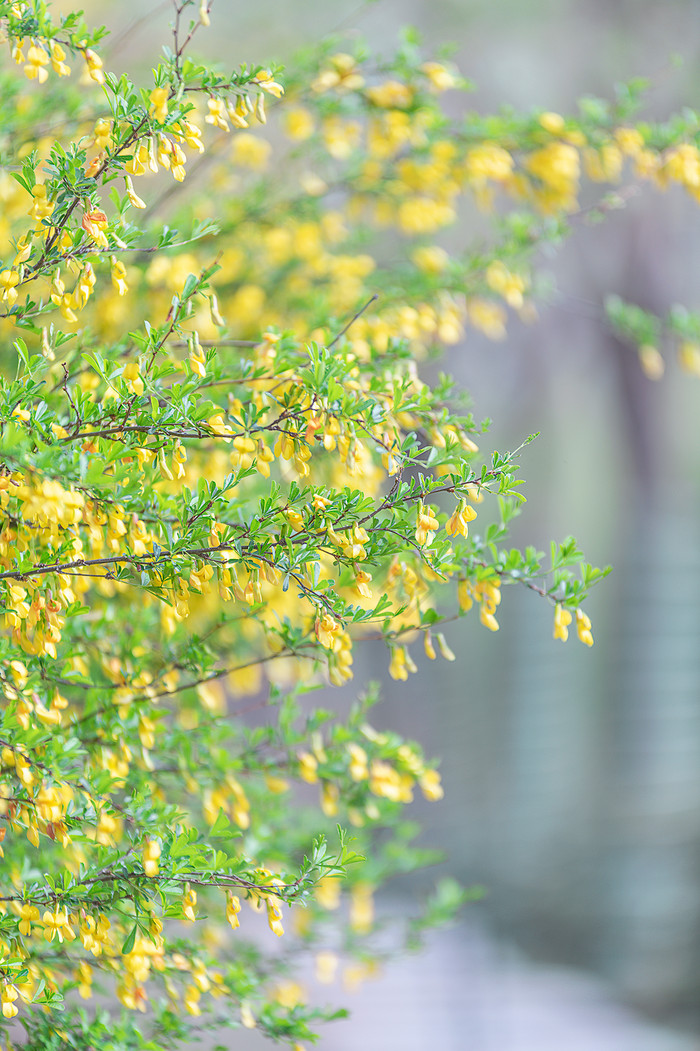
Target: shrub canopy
223, 470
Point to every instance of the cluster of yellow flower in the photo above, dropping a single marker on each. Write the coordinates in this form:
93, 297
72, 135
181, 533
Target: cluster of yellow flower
41, 53
562, 620
47, 803
134, 967
393, 781
133, 151
487, 593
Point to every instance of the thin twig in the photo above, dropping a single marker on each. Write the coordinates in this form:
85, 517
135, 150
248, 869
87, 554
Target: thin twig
353, 320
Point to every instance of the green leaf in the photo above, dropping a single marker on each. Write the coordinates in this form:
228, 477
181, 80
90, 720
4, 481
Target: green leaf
221, 825
130, 940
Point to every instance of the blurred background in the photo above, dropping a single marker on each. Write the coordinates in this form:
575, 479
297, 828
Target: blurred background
572, 776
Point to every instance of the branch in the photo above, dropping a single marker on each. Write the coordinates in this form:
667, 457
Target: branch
352, 320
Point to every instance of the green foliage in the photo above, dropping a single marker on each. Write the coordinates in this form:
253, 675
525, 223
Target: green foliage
223, 470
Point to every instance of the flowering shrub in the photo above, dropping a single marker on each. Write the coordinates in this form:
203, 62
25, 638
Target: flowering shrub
222, 471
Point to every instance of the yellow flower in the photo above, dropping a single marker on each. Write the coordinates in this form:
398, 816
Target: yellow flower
319, 503
294, 518
37, 59
30, 914
84, 977
583, 628
102, 137
342, 75
308, 766
274, 916
94, 223
441, 78
24, 250
430, 258
427, 524
603, 164
392, 94
421, 214
445, 650
192, 136
489, 161
151, 854
264, 79
554, 123
330, 796
131, 374
688, 357
189, 900
510, 286
94, 66
557, 167
94, 934
259, 109
397, 668
197, 362
430, 785
191, 1000
326, 965
299, 123
630, 141
8, 995
134, 199
385, 781
489, 317
682, 164
488, 595
250, 151
651, 361
9, 279
401, 663
216, 317
233, 907
341, 137
362, 908
217, 114
57, 59
326, 629
327, 893
458, 524
118, 273
247, 1017
238, 114
177, 166
562, 619
42, 208
56, 925
362, 580
92, 168
358, 762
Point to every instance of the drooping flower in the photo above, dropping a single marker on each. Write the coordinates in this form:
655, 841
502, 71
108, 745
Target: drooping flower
37, 60
562, 619
458, 524
427, 524
583, 628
